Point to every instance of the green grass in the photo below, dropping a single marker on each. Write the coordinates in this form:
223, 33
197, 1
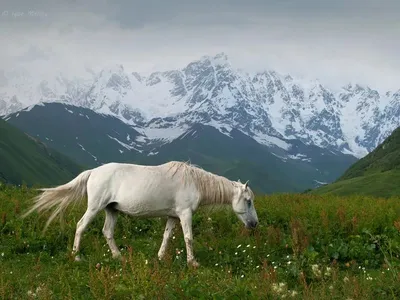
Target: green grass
376, 174
385, 157
385, 184
306, 247
25, 160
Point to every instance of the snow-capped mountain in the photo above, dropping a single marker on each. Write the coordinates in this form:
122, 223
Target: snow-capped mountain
92, 139
269, 107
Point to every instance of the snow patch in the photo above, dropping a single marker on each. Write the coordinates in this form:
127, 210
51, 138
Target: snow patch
300, 156
83, 148
164, 134
268, 140
123, 144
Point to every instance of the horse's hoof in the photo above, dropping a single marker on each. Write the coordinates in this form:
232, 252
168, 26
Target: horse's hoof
193, 263
117, 256
77, 258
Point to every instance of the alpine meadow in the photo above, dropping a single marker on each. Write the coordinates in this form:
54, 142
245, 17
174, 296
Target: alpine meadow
206, 149
306, 246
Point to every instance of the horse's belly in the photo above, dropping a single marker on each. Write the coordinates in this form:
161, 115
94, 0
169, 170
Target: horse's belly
147, 204
146, 210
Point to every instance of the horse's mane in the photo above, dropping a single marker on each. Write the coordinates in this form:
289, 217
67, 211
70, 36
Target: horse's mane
214, 189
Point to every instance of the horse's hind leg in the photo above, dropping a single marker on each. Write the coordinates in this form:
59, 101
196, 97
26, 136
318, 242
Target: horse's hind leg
108, 231
169, 227
81, 227
186, 223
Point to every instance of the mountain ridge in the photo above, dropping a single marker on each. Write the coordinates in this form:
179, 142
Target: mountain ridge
92, 139
270, 107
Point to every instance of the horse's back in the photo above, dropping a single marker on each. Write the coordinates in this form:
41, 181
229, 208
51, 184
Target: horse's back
140, 189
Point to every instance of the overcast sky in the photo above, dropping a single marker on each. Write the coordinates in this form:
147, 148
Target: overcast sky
336, 41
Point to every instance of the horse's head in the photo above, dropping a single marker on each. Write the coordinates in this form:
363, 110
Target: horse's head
243, 205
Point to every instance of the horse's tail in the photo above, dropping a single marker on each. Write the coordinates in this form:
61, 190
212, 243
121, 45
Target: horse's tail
60, 196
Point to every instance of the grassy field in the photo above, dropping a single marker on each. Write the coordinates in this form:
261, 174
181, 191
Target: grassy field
306, 247
384, 184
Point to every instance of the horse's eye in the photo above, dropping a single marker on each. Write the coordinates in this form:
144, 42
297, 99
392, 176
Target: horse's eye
248, 203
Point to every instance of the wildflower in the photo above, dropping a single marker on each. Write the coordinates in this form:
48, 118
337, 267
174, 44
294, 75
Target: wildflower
239, 246
328, 271
30, 293
248, 246
216, 264
2, 253
146, 262
278, 288
345, 279
316, 270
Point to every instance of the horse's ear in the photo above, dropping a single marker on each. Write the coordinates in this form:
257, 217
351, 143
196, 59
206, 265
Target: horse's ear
246, 184
239, 181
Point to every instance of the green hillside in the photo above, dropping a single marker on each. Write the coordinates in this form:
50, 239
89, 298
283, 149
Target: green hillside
377, 174
25, 160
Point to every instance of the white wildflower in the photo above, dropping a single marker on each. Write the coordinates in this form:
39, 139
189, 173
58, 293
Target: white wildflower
316, 270
278, 288
328, 271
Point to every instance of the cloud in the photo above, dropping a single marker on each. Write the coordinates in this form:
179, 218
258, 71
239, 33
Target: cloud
336, 41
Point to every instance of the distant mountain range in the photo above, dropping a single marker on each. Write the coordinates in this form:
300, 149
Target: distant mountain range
92, 139
306, 128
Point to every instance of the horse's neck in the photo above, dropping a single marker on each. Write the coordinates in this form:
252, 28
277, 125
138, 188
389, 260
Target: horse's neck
221, 192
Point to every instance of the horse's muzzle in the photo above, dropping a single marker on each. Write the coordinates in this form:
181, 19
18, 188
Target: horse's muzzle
252, 224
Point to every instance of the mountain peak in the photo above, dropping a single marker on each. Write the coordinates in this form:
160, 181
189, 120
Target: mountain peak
218, 59
210, 91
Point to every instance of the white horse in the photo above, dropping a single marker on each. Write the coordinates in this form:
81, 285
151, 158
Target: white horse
174, 189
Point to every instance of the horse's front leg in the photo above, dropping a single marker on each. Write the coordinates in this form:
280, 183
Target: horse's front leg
186, 223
